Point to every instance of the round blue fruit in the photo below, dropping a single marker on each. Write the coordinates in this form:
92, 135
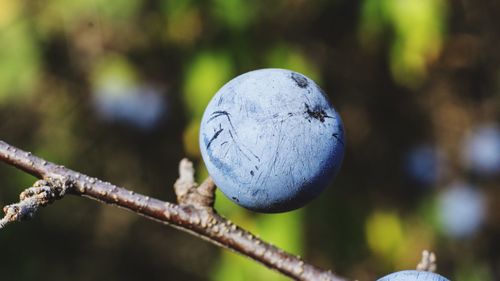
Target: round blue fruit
413, 275
271, 140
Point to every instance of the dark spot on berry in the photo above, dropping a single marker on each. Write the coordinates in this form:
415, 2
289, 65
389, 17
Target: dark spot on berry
300, 80
235, 199
251, 173
316, 113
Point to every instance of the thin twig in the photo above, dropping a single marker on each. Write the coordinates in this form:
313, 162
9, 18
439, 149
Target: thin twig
194, 213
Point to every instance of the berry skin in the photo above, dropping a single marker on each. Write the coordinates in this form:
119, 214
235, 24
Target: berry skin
413, 275
271, 141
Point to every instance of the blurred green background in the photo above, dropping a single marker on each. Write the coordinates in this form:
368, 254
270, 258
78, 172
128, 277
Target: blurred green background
115, 89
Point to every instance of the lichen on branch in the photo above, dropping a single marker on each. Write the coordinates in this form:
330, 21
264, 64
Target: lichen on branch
41, 194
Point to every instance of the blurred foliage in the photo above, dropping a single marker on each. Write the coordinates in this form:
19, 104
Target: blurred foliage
396, 241
205, 75
236, 14
114, 68
288, 57
417, 27
19, 58
184, 24
116, 89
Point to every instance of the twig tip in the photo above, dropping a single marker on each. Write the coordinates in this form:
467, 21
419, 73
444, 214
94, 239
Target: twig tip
428, 261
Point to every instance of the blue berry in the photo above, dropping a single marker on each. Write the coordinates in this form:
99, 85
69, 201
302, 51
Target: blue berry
424, 164
271, 140
461, 209
482, 150
413, 275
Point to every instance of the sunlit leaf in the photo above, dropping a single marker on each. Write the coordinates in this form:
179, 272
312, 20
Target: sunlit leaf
8, 12
384, 234
19, 61
205, 75
418, 27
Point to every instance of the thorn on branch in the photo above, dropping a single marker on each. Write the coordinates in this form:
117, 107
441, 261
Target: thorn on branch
428, 262
187, 190
42, 193
207, 192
